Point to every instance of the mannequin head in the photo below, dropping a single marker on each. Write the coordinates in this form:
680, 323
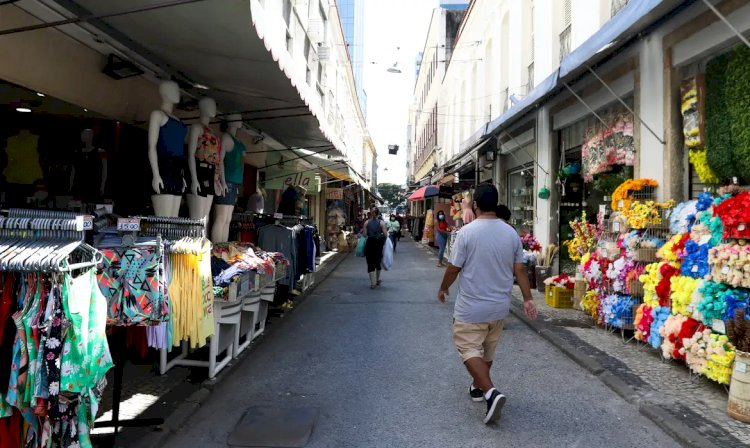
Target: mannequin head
234, 122
170, 92
208, 107
87, 137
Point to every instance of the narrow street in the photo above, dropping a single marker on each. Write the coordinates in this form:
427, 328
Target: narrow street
380, 367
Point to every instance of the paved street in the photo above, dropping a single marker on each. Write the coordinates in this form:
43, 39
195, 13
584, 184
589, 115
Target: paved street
381, 368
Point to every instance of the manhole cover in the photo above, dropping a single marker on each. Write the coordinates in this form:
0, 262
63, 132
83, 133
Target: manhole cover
271, 427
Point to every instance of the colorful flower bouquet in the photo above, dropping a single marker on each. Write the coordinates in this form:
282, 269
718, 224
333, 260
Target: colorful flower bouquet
608, 146
530, 242
644, 214
730, 264
735, 215
585, 236
561, 281
622, 196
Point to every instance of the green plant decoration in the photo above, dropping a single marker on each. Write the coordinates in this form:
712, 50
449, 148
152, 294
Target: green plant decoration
718, 133
738, 107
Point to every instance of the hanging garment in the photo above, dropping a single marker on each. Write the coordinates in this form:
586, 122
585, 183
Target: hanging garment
191, 294
131, 280
23, 159
88, 172
234, 164
207, 158
170, 149
281, 239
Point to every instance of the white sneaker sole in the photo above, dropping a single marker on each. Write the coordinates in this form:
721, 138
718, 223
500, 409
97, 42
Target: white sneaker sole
496, 410
477, 399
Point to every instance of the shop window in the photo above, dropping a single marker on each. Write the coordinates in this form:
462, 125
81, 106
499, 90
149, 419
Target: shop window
521, 199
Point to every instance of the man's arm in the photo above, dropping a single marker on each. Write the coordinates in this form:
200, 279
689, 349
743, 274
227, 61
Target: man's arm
450, 276
523, 282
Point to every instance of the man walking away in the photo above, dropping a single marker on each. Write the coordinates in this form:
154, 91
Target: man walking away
487, 253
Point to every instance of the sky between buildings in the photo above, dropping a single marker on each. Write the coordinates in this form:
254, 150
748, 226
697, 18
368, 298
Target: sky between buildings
390, 24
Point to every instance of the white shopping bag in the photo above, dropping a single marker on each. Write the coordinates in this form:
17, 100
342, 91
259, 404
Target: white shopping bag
387, 254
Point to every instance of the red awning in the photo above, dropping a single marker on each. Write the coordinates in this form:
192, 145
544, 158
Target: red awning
428, 191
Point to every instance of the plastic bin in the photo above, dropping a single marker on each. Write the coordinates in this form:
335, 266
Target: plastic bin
557, 297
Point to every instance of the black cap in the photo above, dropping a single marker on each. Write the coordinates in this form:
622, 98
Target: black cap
486, 197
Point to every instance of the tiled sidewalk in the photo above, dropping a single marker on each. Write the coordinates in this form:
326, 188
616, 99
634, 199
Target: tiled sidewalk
692, 404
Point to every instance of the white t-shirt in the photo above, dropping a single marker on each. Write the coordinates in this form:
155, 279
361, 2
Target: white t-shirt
486, 251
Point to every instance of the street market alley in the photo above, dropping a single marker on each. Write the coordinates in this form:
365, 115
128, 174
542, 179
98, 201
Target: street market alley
380, 368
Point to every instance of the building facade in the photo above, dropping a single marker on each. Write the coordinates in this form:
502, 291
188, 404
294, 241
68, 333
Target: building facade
352, 13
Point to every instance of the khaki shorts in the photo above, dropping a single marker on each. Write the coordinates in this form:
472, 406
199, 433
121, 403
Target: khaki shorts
477, 340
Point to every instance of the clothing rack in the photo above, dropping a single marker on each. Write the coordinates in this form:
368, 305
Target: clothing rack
39, 213
119, 358
172, 228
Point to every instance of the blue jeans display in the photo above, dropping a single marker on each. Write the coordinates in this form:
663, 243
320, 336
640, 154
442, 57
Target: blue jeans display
442, 240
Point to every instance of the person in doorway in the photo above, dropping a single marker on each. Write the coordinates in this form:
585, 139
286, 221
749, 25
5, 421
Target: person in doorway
487, 253
503, 212
375, 230
394, 231
442, 230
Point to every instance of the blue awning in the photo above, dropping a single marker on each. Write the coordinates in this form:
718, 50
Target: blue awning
520, 108
631, 19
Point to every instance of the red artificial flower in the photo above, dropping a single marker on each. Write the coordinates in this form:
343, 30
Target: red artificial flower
644, 325
688, 329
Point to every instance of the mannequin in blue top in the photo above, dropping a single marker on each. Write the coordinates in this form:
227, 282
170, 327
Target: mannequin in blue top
166, 153
234, 168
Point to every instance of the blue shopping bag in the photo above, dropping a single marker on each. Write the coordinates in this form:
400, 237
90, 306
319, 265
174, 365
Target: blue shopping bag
360, 252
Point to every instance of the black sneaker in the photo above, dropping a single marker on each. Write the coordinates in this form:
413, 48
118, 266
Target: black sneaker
494, 407
476, 394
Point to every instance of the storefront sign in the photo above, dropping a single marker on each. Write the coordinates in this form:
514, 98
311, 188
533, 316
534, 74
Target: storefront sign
280, 181
335, 193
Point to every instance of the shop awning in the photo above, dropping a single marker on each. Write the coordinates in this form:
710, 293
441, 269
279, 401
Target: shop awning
224, 46
428, 191
520, 109
629, 21
337, 168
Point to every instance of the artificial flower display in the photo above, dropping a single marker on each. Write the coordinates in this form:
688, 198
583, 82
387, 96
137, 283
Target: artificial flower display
650, 278
707, 229
694, 350
720, 353
668, 333
590, 304
561, 281
714, 305
660, 315
735, 299
705, 201
585, 236
530, 242
682, 294
699, 160
622, 196
672, 249
681, 216
648, 213
696, 300
730, 264
604, 147
617, 310
735, 215
644, 319
695, 260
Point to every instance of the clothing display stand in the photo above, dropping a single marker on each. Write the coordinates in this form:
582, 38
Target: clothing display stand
227, 315
119, 355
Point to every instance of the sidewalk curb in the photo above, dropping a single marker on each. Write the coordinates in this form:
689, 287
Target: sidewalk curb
679, 431
179, 417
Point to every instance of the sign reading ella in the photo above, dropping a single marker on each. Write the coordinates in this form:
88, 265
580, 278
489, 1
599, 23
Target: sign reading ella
309, 181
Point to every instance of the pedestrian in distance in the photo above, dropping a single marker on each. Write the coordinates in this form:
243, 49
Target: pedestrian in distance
503, 212
442, 230
375, 230
487, 253
394, 229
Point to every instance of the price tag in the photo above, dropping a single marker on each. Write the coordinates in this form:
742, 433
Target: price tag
79, 223
734, 180
620, 203
741, 227
278, 216
88, 222
718, 326
128, 224
725, 270
616, 226
107, 207
705, 239
740, 367
695, 268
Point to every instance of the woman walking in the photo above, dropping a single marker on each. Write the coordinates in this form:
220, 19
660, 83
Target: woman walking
376, 231
442, 231
394, 229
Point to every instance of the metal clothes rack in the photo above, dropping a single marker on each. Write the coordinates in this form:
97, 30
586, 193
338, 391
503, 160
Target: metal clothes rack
172, 228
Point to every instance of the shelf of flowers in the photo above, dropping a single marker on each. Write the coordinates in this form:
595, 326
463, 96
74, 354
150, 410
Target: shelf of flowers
677, 276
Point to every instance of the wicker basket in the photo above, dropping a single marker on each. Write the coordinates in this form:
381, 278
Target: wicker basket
635, 287
645, 254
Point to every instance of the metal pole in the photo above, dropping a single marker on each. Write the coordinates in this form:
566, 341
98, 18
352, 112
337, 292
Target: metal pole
527, 153
626, 106
727, 23
88, 17
586, 105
